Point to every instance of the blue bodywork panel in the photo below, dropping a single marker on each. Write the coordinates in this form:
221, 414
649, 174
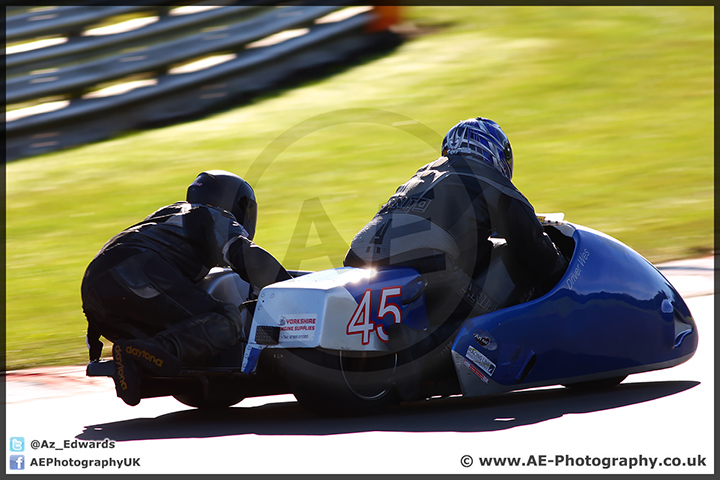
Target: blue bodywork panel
613, 313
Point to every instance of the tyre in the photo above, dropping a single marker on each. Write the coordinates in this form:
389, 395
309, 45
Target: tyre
594, 385
214, 396
341, 383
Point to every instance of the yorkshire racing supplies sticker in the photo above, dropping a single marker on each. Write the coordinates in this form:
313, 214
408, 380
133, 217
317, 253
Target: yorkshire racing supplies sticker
299, 326
480, 360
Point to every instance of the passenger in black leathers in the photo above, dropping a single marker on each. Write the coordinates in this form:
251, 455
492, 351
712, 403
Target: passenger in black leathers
441, 222
140, 291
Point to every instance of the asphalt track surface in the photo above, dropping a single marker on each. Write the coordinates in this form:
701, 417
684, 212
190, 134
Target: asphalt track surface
653, 423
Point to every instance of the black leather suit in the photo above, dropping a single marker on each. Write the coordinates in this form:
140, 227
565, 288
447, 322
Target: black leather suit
440, 221
142, 283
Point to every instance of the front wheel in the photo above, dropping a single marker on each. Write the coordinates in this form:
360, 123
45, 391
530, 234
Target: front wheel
210, 394
341, 383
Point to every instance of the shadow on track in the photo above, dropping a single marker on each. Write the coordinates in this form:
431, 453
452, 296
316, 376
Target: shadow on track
454, 414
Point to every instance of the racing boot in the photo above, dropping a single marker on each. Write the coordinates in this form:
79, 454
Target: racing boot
126, 377
204, 336
152, 355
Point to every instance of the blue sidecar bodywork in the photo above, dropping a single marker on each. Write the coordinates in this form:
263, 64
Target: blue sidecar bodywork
612, 314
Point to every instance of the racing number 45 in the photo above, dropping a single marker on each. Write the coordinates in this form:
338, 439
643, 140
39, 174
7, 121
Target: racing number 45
362, 322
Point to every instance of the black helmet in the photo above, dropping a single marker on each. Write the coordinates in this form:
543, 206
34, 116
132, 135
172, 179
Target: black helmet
228, 191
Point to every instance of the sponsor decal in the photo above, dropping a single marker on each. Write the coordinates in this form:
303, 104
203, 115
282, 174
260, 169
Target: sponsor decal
300, 326
142, 354
575, 272
480, 360
119, 366
403, 203
485, 340
477, 372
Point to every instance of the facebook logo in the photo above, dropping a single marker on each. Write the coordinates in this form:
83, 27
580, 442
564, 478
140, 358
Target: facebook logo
17, 462
17, 444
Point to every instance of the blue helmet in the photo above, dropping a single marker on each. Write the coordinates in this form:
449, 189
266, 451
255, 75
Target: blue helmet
480, 139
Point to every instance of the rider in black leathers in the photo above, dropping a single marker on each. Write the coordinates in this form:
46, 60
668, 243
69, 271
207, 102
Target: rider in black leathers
140, 290
441, 221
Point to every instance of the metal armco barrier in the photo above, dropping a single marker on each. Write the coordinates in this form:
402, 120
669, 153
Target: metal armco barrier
61, 91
